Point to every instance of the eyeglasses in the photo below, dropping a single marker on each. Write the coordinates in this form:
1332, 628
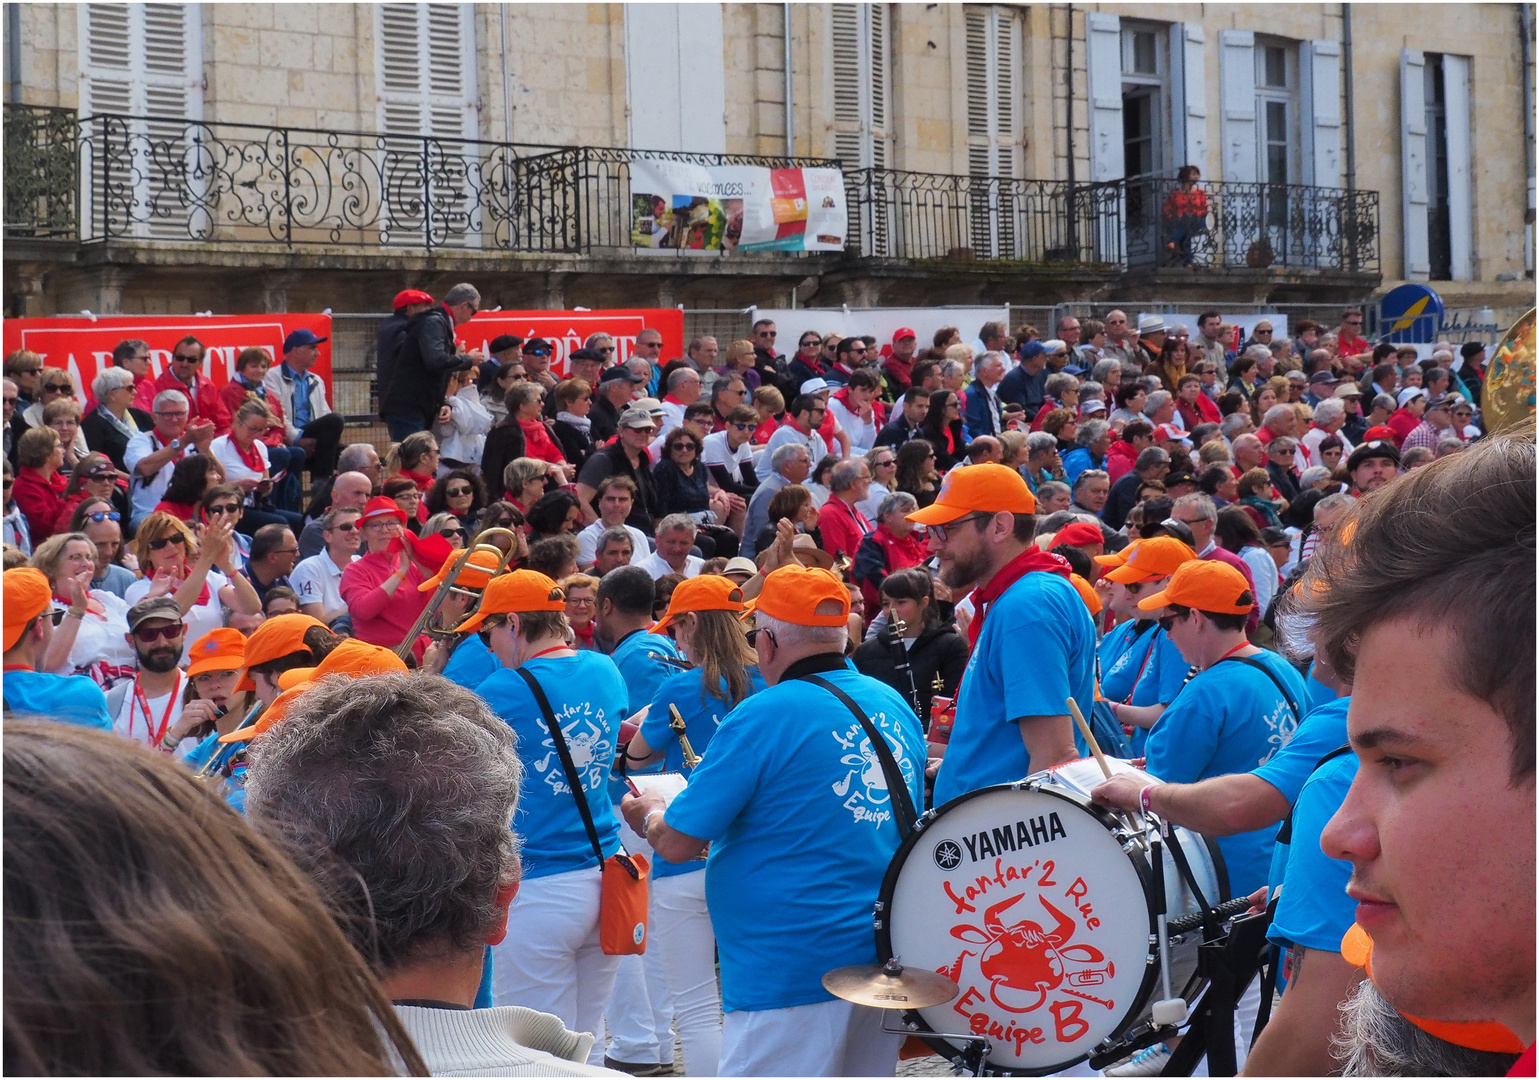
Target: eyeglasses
344, 527
943, 532
746, 427
147, 634
460, 532
811, 344
178, 358
768, 333
887, 463
611, 348
180, 414
224, 508
455, 493
753, 636
689, 446
493, 621
1352, 322
99, 516
174, 538
1167, 621
60, 388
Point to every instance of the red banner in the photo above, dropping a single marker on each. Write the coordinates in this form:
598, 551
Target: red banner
83, 346
567, 330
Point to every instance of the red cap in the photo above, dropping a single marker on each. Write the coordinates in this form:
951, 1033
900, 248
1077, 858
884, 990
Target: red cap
1171, 432
1379, 431
410, 296
902, 332
381, 506
1078, 533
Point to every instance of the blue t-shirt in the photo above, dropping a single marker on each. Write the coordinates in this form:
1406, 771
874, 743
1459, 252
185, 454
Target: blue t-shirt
802, 828
588, 698
471, 663
214, 754
1314, 910
1037, 648
642, 674
1229, 719
701, 719
1319, 693
1323, 730
70, 699
1149, 657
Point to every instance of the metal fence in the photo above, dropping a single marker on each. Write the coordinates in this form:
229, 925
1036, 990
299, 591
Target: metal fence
40, 182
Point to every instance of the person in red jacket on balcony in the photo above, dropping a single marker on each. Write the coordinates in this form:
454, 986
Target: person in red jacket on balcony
840, 523
182, 375
1185, 213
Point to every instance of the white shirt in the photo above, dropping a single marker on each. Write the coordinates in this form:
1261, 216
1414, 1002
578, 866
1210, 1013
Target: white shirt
862, 433
145, 491
587, 543
716, 451
785, 433
100, 637
227, 454
131, 722
200, 620
318, 580
657, 567
1309, 447
464, 436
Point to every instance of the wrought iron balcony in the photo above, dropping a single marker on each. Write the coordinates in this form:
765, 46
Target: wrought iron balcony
112, 178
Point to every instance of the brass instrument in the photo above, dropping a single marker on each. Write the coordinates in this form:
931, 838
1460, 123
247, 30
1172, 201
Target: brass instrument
676, 722
208, 767
448, 584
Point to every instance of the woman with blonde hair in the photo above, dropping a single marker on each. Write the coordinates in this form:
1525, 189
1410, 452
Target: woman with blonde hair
92, 639
202, 579
738, 361
415, 458
245, 460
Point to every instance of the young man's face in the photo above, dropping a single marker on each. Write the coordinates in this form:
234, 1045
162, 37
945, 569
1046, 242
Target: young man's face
916, 410
1440, 839
615, 506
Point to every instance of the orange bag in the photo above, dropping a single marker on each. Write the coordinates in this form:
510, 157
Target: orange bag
623, 905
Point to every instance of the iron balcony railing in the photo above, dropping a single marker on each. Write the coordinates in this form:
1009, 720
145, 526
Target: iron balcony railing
105, 178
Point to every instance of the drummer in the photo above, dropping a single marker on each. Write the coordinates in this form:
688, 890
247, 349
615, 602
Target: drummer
1033, 640
794, 801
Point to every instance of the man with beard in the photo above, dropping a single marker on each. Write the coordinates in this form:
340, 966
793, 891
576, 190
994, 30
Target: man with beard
148, 707
1012, 718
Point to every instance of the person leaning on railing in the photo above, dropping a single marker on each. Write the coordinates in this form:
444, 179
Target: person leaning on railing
1185, 213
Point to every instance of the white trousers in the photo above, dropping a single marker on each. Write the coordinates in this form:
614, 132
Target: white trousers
831, 1038
551, 959
639, 1018
684, 947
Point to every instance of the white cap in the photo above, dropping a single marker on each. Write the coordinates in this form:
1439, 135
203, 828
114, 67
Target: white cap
1411, 393
813, 386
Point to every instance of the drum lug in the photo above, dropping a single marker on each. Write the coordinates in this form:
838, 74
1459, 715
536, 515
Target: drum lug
878, 906
877, 924
1129, 845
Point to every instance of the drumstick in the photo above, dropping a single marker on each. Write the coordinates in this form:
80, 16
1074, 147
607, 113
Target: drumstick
1084, 729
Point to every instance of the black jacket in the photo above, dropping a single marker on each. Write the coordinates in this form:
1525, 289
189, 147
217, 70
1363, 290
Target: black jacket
605, 419
387, 345
422, 367
610, 459
575, 443
938, 650
100, 434
503, 443
1122, 498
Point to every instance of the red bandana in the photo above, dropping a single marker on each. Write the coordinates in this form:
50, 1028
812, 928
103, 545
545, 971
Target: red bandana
1032, 560
251, 457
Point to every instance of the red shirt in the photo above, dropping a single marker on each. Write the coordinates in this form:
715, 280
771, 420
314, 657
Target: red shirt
842, 527
40, 501
144, 394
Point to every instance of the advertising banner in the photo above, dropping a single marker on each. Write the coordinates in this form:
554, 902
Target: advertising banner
82, 345
880, 323
567, 330
678, 206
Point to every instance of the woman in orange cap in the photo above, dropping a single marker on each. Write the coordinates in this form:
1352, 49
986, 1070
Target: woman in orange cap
212, 706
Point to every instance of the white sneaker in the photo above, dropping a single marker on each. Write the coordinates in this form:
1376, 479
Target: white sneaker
1147, 1062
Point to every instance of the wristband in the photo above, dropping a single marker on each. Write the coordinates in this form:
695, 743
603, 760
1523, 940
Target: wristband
1143, 798
646, 822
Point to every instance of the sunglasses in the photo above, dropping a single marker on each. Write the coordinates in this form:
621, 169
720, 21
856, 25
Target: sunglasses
345, 527
455, 493
611, 348
446, 533
492, 622
767, 333
814, 343
60, 388
100, 515
684, 446
746, 427
753, 635
1168, 621
174, 538
536, 352
148, 634
224, 508
185, 360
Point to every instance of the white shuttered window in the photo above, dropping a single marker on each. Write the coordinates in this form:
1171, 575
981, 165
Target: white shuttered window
993, 108
859, 38
426, 65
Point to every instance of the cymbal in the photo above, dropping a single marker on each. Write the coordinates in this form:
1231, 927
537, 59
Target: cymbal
890, 986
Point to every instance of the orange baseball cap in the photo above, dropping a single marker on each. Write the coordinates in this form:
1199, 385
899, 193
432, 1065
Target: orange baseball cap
707, 592
221, 649
1214, 587
27, 595
351, 657
986, 488
1155, 557
269, 716
275, 638
1087, 593
520, 591
793, 593
1117, 558
477, 572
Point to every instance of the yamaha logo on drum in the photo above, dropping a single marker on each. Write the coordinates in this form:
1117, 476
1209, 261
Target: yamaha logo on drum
990, 843
948, 854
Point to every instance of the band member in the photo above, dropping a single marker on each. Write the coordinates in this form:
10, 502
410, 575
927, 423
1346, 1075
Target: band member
644, 656
794, 800
551, 959
213, 706
464, 660
1012, 715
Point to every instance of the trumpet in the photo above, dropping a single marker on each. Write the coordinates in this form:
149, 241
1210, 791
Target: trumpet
676, 722
218, 758
448, 584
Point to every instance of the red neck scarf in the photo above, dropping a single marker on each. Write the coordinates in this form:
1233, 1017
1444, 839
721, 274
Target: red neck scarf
251, 456
584, 635
1032, 560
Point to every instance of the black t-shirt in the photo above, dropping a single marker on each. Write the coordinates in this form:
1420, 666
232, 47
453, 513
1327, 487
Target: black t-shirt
608, 460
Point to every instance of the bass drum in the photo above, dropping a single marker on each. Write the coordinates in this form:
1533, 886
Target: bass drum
1042, 907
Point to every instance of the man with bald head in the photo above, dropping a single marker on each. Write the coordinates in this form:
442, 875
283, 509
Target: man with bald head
1120, 345
350, 491
1249, 453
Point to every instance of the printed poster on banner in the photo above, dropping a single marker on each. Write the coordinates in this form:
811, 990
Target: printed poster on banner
677, 206
567, 330
880, 323
82, 345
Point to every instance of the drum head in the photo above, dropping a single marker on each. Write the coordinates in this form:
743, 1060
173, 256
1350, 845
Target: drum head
1027, 900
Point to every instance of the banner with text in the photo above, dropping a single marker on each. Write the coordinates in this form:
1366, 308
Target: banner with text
678, 206
567, 330
880, 323
82, 345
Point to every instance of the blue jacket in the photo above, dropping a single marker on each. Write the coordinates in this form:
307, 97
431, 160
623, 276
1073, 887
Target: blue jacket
1025, 389
975, 412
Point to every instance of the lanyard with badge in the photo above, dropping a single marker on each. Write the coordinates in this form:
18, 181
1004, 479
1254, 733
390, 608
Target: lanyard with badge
149, 717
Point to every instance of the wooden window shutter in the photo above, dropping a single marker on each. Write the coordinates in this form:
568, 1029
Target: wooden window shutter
858, 34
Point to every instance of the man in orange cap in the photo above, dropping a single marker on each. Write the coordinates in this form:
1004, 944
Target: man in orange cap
552, 695
30, 616
795, 789
1032, 636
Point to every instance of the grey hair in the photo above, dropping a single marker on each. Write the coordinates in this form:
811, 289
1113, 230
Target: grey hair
681, 376
1259, 352
113, 378
1091, 430
1339, 501
1089, 389
950, 368
396, 793
1329, 409
1090, 474
1104, 368
169, 397
994, 355
1156, 401
1058, 382
1416, 455
1049, 488
1375, 1040
1201, 502
639, 365
1058, 519
679, 522
788, 634
1240, 440
898, 500
1149, 457
613, 533
1382, 401
463, 293
355, 457
1038, 441
595, 338
1277, 412
1452, 444
846, 474
1232, 423
1312, 476
784, 453
1443, 353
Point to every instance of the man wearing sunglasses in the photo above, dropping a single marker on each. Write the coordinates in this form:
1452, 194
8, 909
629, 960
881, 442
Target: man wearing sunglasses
318, 579
181, 375
427, 357
537, 355
104, 529
29, 616
147, 708
273, 554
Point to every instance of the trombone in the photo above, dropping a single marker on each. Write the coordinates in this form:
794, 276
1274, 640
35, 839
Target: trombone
447, 585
